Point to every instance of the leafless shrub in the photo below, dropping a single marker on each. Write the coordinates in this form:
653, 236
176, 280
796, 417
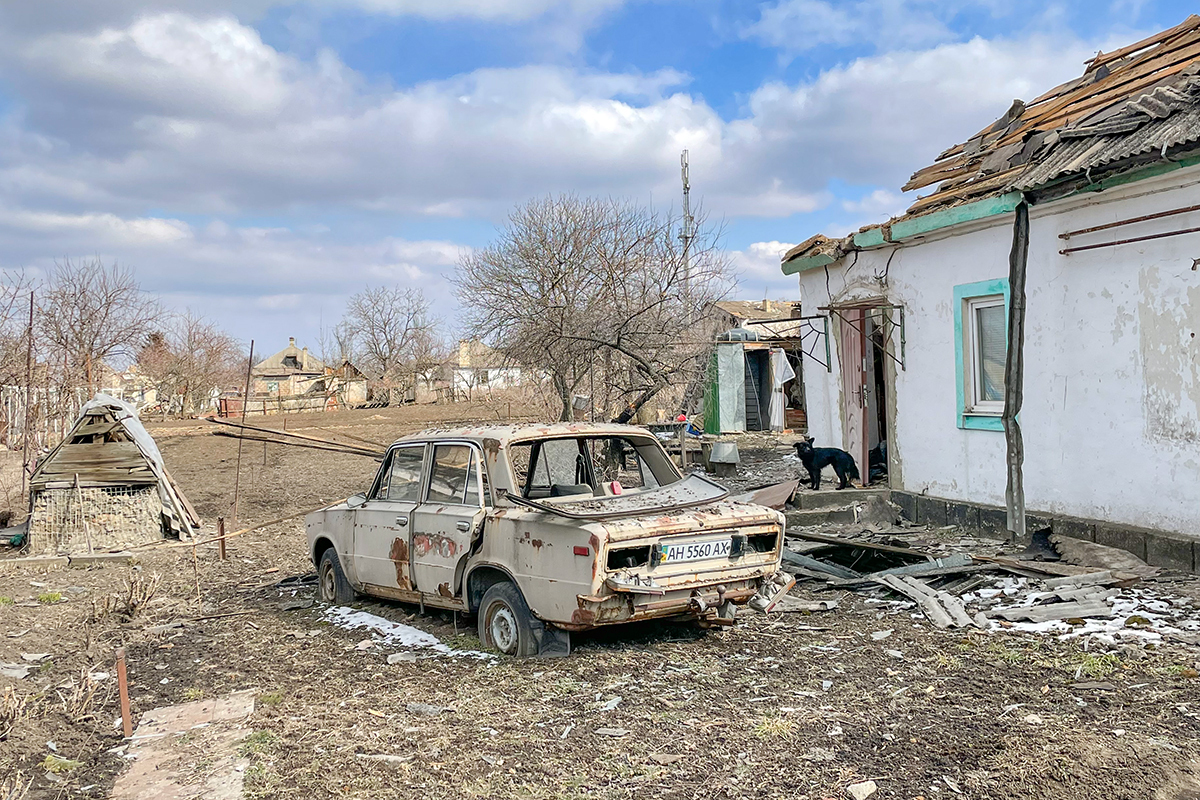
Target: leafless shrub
15, 786
186, 359
136, 593
77, 699
14, 707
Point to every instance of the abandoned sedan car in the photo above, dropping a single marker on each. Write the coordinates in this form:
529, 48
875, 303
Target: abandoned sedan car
540, 531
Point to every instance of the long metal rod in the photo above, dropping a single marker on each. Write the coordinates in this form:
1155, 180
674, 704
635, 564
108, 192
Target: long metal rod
28, 403
1068, 250
1134, 220
237, 478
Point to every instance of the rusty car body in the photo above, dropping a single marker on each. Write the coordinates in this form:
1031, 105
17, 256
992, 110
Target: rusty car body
544, 530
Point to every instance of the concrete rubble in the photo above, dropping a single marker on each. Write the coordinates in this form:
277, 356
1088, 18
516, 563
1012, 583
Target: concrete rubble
956, 578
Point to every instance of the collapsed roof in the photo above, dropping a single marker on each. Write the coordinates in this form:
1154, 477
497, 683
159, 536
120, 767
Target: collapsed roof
1131, 108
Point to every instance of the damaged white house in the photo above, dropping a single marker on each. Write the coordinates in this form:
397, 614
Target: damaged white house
1061, 244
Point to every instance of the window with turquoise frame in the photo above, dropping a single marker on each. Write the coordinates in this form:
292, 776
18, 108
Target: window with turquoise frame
980, 348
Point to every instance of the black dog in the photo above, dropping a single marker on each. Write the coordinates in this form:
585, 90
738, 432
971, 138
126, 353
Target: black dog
815, 458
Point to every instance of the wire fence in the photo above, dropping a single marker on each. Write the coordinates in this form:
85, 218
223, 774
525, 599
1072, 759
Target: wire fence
100, 518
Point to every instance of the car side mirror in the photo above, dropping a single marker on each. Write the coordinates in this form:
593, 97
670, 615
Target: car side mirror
356, 500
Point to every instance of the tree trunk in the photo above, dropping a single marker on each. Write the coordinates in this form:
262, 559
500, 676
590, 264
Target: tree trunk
631, 410
564, 396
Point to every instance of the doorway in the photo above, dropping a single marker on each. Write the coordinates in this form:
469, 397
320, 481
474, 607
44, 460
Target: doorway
865, 347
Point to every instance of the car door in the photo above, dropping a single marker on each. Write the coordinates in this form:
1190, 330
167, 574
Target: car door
382, 524
448, 520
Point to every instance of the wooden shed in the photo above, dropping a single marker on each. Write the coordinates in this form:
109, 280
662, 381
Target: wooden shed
105, 486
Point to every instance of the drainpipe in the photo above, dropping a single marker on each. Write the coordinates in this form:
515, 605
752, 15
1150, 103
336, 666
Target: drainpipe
1014, 374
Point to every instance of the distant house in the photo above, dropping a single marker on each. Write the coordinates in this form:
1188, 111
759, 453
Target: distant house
1074, 215
296, 380
476, 366
289, 373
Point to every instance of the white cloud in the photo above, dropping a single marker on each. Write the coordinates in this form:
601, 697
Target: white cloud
798, 25
198, 116
878, 206
758, 271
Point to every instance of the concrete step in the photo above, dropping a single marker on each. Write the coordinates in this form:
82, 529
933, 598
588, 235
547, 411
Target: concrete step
824, 498
819, 516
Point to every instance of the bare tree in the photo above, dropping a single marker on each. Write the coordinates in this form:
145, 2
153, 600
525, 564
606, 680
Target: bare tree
336, 344
580, 287
187, 359
392, 332
91, 312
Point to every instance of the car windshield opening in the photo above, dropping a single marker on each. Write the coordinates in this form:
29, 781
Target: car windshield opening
595, 466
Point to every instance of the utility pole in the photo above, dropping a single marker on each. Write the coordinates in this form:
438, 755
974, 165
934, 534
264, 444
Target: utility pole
688, 233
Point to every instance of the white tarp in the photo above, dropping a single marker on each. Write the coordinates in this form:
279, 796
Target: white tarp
781, 373
731, 386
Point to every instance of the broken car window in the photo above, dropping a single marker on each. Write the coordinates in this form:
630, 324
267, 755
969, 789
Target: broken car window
454, 477
403, 482
588, 465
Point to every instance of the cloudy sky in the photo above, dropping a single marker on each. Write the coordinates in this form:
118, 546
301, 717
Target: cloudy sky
258, 161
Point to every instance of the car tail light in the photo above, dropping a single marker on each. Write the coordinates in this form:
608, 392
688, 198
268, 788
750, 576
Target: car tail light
582, 551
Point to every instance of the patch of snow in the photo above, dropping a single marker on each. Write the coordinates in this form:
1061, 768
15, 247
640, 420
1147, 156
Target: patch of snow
396, 634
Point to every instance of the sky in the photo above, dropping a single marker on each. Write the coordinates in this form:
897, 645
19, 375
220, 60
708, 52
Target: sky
259, 161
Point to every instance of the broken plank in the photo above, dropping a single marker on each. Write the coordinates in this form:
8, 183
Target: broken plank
928, 602
836, 570
930, 569
796, 533
956, 608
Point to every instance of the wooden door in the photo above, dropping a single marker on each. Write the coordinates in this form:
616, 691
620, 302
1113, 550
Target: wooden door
853, 356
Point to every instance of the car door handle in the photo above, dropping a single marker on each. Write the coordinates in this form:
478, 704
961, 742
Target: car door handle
463, 525
401, 521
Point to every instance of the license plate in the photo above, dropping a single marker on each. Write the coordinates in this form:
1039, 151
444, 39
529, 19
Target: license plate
694, 551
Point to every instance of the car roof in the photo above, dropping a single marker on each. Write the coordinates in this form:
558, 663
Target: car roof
503, 434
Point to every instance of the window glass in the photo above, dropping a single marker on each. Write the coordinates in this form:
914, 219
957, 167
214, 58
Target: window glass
454, 477
404, 478
561, 468
991, 345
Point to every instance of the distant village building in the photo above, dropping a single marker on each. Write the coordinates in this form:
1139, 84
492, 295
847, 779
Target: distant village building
1074, 214
476, 366
296, 380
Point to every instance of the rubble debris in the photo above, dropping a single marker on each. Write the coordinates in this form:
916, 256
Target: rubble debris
1090, 554
1055, 611
775, 496
615, 733
876, 513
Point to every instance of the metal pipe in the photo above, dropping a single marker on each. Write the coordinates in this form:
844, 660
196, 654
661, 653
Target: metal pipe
1118, 224
1068, 250
237, 475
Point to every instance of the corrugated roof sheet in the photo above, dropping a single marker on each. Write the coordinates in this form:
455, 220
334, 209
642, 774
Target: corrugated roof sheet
1139, 100
1121, 95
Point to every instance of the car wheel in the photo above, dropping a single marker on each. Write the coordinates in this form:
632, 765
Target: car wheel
505, 623
332, 586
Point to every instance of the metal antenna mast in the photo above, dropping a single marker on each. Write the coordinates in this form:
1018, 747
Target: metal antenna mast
688, 233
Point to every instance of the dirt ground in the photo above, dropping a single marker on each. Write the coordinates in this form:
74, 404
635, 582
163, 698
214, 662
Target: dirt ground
781, 706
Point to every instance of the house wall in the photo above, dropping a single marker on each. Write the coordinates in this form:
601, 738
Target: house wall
1111, 416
